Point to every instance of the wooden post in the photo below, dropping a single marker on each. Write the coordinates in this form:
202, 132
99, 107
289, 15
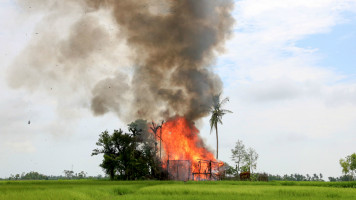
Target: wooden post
210, 169
177, 169
160, 144
168, 167
189, 169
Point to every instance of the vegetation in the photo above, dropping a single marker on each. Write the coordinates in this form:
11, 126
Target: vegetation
28, 176
245, 160
348, 165
296, 177
71, 175
89, 189
216, 117
129, 156
341, 178
38, 176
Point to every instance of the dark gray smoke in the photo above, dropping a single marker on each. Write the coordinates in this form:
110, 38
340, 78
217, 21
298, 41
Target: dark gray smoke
145, 59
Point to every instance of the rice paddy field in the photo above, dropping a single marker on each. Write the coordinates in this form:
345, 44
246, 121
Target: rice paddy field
216, 190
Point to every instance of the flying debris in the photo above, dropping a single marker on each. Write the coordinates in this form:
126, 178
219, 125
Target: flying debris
29, 122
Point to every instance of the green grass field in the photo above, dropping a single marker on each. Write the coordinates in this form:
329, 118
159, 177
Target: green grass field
217, 190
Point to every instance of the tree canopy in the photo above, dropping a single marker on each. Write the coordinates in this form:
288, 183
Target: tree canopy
129, 156
348, 165
245, 160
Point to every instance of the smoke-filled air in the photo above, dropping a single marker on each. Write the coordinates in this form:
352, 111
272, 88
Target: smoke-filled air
185, 99
145, 59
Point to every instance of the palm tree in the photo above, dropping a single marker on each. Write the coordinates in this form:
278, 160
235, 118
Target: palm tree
216, 117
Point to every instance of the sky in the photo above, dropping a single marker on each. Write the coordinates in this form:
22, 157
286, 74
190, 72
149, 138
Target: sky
289, 71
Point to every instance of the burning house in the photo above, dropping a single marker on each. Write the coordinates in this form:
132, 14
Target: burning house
185, 156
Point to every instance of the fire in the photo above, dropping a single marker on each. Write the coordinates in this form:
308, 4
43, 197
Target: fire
184, 150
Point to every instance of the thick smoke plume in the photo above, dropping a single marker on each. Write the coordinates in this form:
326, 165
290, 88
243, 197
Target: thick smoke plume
144, 59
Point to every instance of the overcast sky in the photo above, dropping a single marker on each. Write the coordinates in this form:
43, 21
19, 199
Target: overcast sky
289, 70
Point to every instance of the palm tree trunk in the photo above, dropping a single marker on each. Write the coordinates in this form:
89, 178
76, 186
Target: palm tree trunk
217, 142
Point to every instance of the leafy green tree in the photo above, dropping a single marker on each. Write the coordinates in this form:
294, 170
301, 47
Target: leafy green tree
348, 165
110, 162
245, 168
251, 159
238, 155
82, 174
33, 176
69, 174
345, 166
353, 162
245, 160
229, 170
147, 146
118, 150
128, 156
217, 112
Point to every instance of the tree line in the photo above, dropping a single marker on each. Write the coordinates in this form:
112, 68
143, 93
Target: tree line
68, 174
296, 177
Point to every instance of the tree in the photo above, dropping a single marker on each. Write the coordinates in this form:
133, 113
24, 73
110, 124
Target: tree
118, 150
348, 165
216, 117
229, 170
251, 159
33, 176
238, 155
353, 162
246, 160
82, 174
128, 156
148, 145
68, 173
109, 163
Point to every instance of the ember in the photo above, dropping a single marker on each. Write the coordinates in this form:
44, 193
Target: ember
184, 154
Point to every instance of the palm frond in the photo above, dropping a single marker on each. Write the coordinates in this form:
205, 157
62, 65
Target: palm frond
211, 121
224, 101
216, 111
226, 111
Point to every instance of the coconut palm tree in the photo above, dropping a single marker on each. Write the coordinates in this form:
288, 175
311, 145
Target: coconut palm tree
216, 117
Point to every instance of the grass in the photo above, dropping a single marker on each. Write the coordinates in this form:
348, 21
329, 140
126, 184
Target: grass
218, 190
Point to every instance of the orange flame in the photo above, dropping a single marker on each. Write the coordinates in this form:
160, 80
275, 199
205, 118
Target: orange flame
181, 141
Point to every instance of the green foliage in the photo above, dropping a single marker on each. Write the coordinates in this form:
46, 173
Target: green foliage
68, 173
34, 176
238, 156
245, 168
348, 165
341, 178
251, 159
128, 156
28, 176
296, 177
353, 161
229, 170
245, 160
345, 165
